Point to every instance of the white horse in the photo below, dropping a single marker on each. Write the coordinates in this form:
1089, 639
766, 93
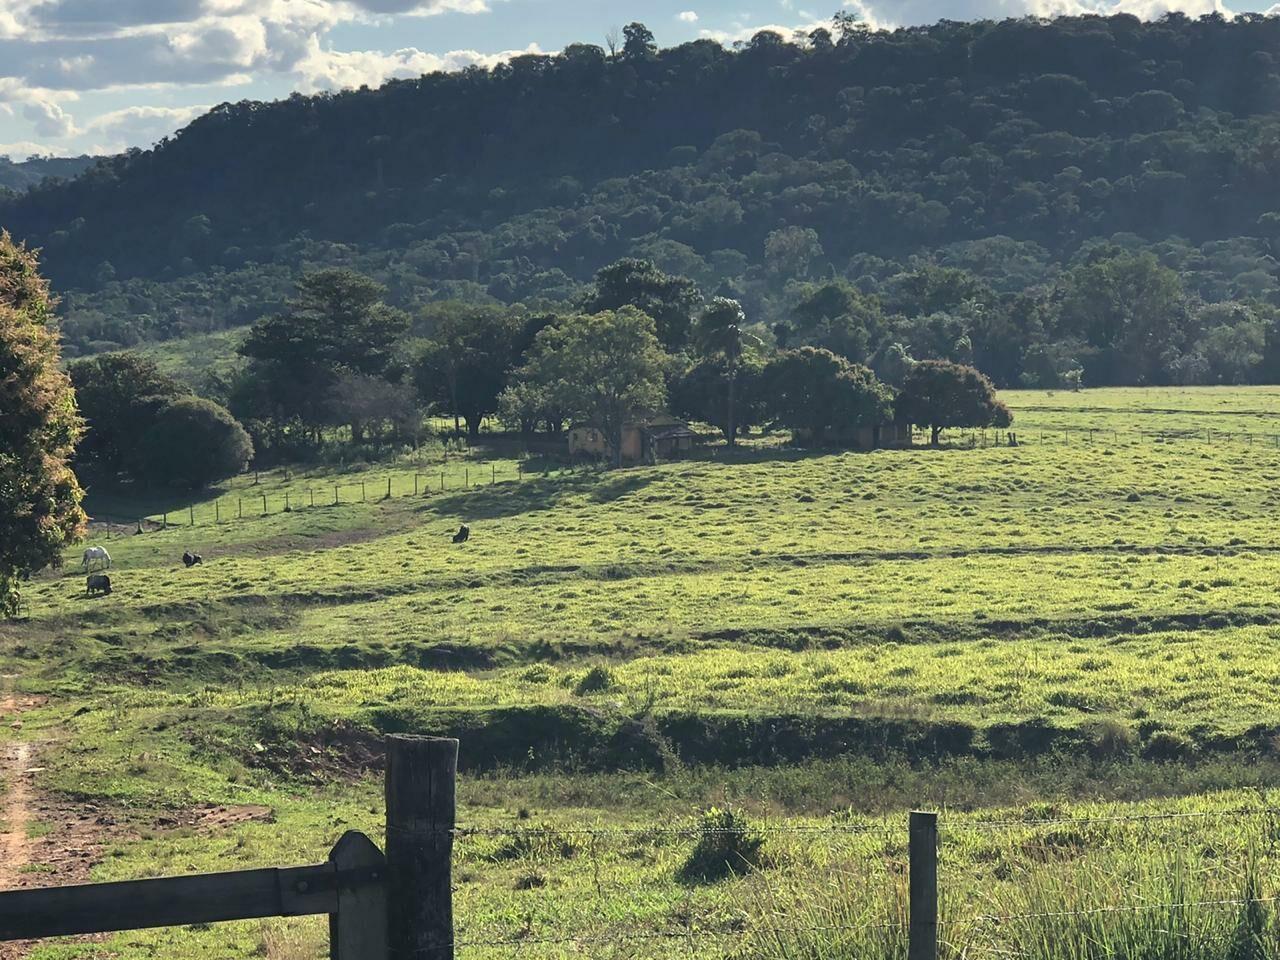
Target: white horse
95, 556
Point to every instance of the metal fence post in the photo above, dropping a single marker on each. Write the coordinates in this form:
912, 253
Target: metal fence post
420, 788
922, 851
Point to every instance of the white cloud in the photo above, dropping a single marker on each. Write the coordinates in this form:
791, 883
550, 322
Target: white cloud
137, 126
348, 69
688, 16
48, 119
23, 149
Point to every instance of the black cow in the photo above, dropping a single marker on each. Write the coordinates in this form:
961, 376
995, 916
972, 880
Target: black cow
97, 583
463, 534
190, 559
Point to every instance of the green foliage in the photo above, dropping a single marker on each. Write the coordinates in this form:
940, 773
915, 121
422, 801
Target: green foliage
669, 301
336, 322
39, 494
464, 365
727, 846
938, 394
605, 368
192, 443
701, 393
815, 392
119, 396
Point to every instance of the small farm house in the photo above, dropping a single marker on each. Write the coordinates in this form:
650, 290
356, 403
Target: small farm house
648, 440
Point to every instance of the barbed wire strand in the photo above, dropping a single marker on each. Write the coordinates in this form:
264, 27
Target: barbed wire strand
1133, 818
691, 932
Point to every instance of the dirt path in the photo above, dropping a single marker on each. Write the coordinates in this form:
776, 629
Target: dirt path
15, 804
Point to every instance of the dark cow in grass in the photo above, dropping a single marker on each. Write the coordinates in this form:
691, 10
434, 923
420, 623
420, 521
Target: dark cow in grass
463, 534
97, 583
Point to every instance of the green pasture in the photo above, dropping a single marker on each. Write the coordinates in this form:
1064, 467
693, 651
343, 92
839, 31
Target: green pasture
818, 638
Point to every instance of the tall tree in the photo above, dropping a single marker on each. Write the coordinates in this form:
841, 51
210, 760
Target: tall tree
720, 335
118, 394
39, 495
816, 392
467, 359
669, 300
606, 368
192, 443
938, 394
337, 321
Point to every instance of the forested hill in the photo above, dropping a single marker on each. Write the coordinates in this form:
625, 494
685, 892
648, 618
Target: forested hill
19, 175
1006, 149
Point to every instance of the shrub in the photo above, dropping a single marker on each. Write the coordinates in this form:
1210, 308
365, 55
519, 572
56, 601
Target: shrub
727, 846
596, 679
192, 444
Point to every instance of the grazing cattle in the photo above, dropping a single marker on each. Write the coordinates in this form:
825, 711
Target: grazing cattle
463, 534
95, 557
97, 583
190, 559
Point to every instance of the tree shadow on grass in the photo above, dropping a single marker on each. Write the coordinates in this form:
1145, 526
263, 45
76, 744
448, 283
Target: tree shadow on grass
539, 493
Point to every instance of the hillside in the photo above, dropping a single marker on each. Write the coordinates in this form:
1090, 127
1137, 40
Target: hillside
1009, 150
20, 175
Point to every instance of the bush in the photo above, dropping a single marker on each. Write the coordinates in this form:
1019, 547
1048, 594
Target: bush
727, 846
594, 680
192, 444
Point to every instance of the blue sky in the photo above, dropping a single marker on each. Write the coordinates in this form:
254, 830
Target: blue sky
101, 75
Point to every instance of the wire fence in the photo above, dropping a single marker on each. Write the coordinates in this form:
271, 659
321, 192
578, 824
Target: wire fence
248, 499
743, 927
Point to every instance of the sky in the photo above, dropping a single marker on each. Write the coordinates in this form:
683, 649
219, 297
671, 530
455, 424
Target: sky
98, 76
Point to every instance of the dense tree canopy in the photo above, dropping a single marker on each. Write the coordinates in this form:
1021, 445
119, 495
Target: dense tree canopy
605, 368
118, 394
818, 393
192, 443
947, 191
39, 495
938, 394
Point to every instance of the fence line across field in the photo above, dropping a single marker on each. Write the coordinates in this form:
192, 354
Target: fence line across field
398, 904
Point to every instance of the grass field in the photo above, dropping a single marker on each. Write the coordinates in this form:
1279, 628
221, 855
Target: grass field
1073, 627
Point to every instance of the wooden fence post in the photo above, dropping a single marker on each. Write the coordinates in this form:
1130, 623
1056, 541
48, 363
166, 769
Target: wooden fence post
493, 473
364, 498
922, 851
421, 781
217, 511
191, 513
264, 504
388, 488
415, 484
358, 931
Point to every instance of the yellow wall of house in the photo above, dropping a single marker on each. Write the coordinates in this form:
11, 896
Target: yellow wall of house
591, 441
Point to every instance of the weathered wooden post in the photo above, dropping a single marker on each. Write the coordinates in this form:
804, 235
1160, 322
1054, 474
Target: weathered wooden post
287, 508
358, 930
164, 519
264, 504
388, 487
364, 498
335, 494
191, 513
421, 781
217, 511
922, 852
415, 484
493, 474
240, 508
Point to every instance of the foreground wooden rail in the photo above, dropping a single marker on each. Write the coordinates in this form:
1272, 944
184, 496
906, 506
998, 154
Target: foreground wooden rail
390, 907
397, 906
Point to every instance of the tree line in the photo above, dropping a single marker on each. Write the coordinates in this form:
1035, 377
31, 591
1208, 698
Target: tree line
1024, 158
338, 358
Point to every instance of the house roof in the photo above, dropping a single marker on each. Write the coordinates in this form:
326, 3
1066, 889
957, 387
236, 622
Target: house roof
669, 431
